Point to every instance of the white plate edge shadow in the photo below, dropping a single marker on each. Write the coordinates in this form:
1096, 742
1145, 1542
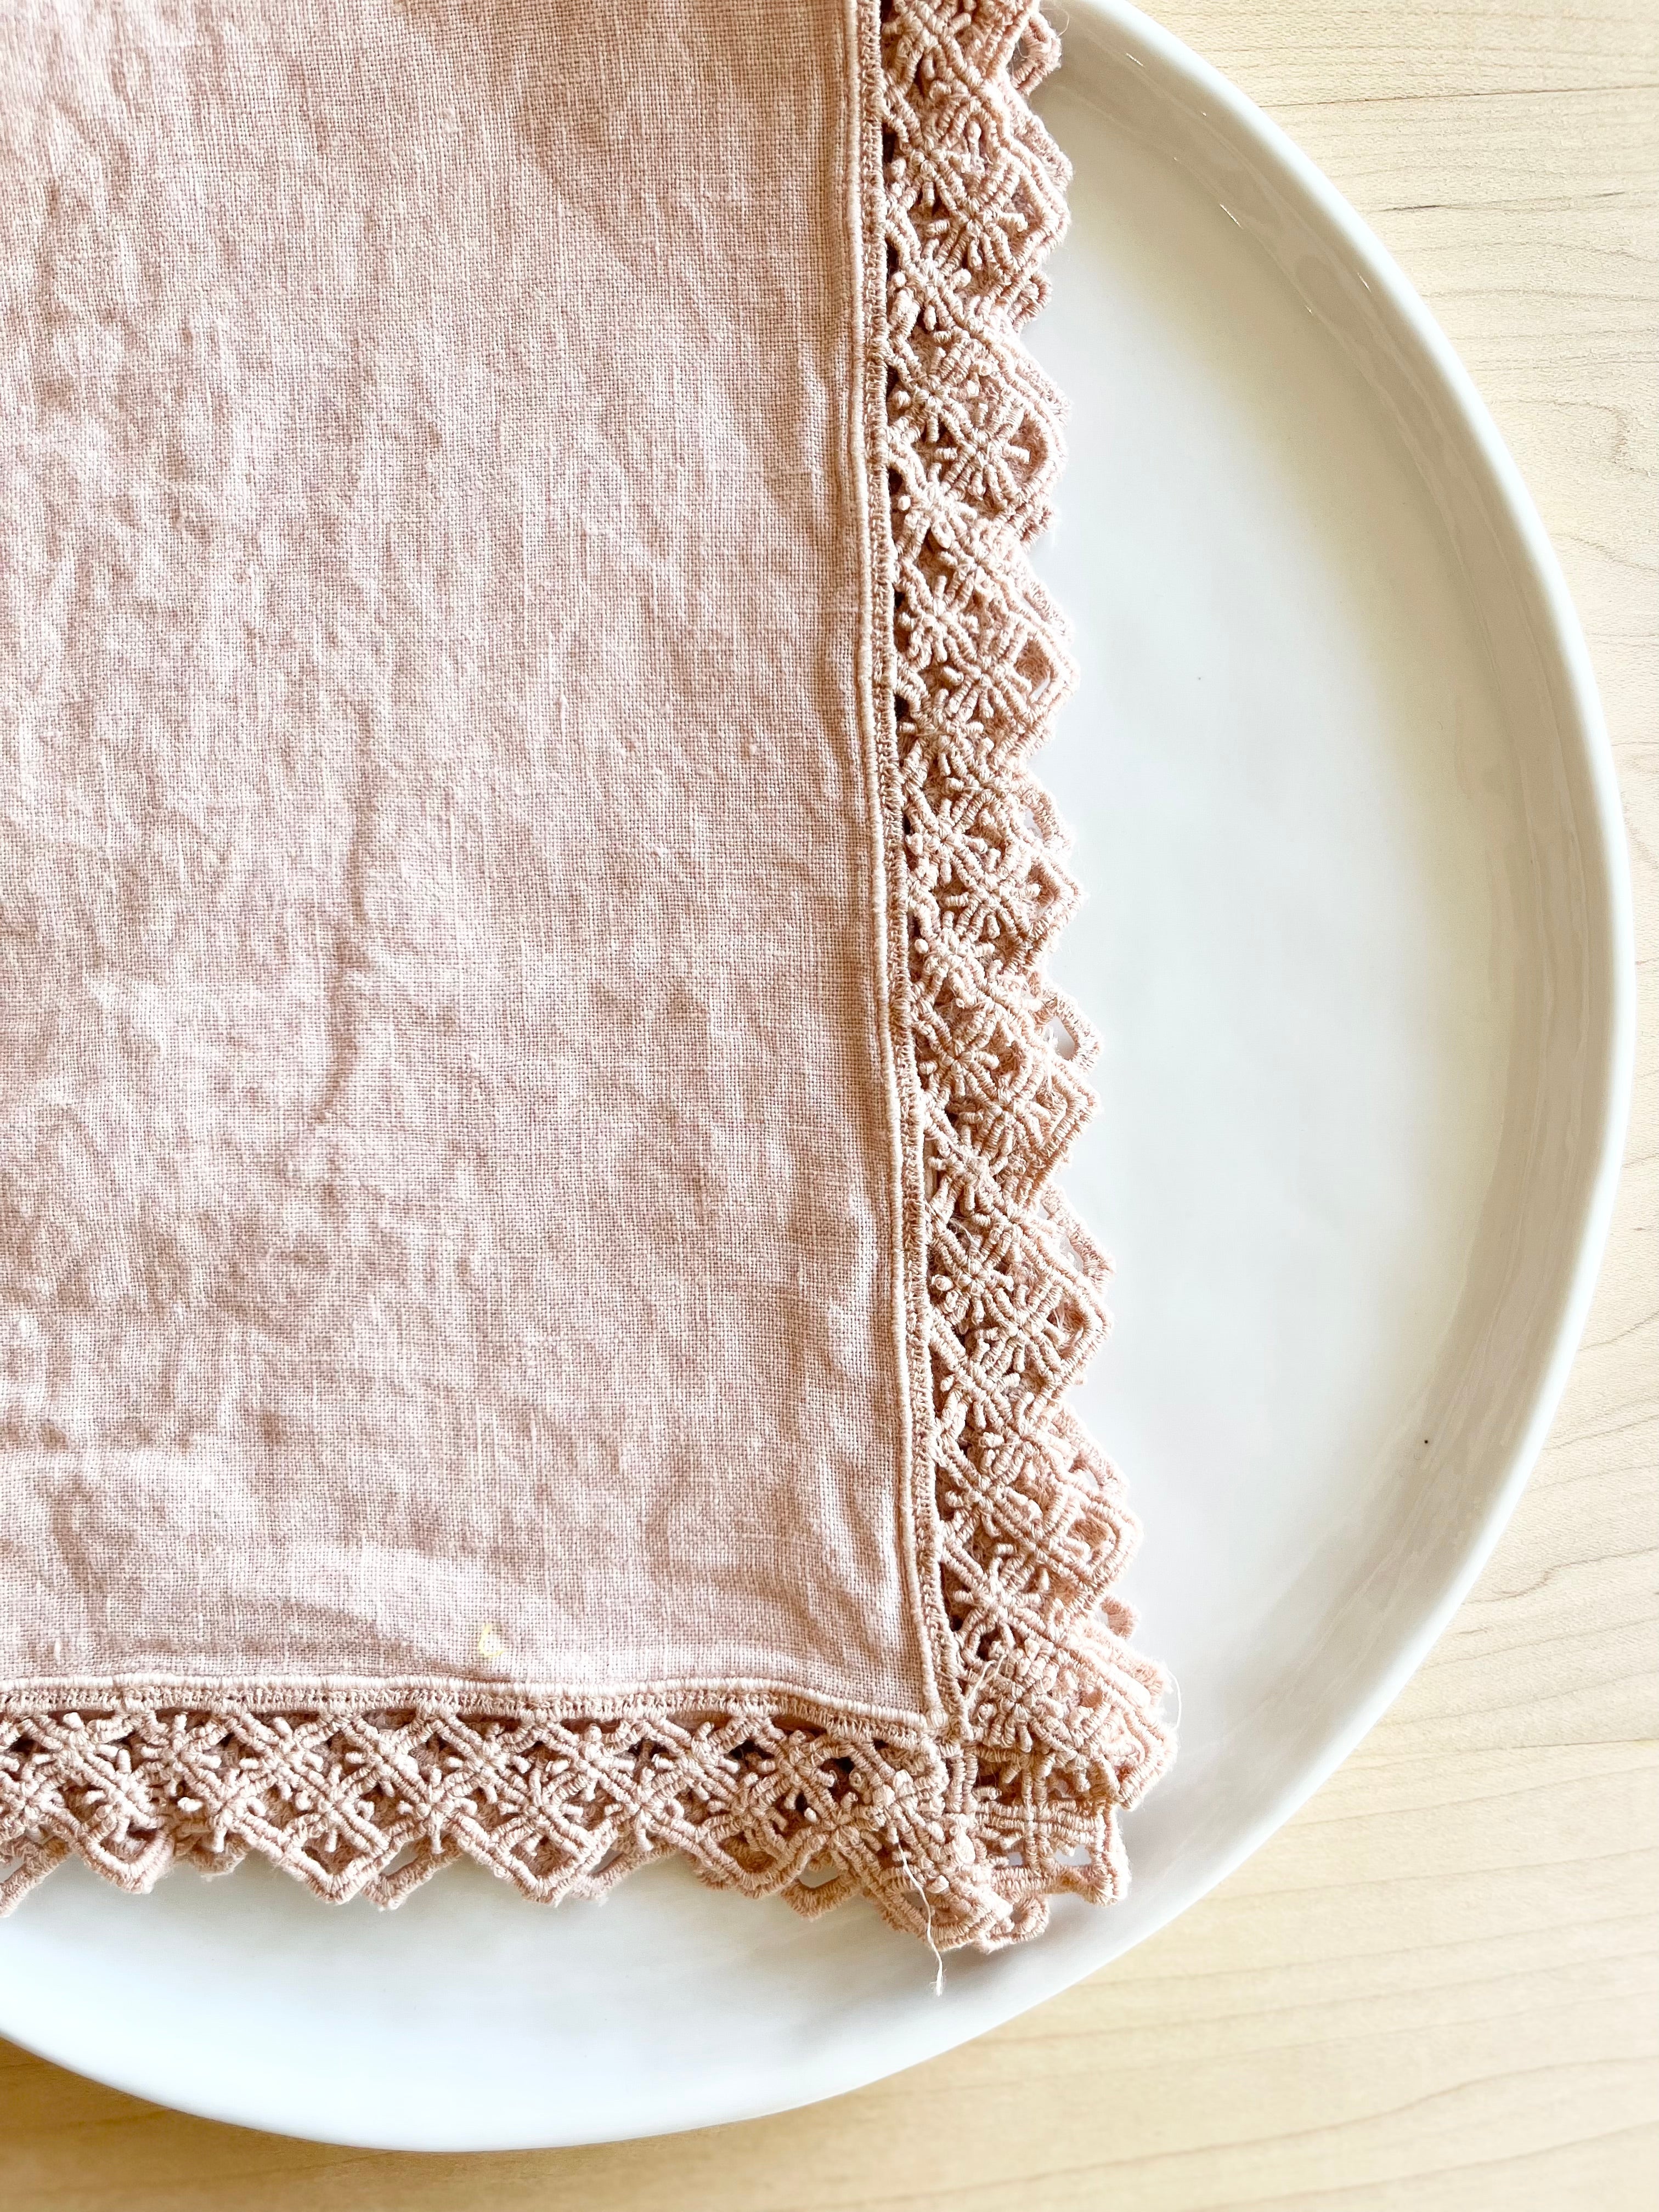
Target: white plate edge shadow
1093, 1940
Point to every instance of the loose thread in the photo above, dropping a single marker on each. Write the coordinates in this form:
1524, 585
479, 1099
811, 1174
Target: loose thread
939, 1956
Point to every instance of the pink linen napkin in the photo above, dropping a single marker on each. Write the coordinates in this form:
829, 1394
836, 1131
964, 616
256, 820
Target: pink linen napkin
536, 1313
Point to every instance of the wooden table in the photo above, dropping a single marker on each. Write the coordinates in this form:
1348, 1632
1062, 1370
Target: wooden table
1437, 1987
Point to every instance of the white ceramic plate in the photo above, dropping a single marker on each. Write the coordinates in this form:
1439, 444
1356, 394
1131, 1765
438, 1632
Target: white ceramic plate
1359, 937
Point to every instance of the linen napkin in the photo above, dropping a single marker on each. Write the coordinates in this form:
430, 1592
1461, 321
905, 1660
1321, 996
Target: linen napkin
536, 1314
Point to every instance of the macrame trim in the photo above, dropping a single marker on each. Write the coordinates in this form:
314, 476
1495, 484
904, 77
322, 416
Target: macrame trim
1050, 1726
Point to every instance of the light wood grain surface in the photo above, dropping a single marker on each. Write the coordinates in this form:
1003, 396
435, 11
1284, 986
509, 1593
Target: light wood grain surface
1439, 1985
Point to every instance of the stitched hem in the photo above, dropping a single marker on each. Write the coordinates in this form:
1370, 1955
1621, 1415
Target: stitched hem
493, 1696
1020, 1531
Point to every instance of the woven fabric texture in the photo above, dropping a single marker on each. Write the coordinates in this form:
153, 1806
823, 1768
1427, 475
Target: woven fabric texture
538, 1309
